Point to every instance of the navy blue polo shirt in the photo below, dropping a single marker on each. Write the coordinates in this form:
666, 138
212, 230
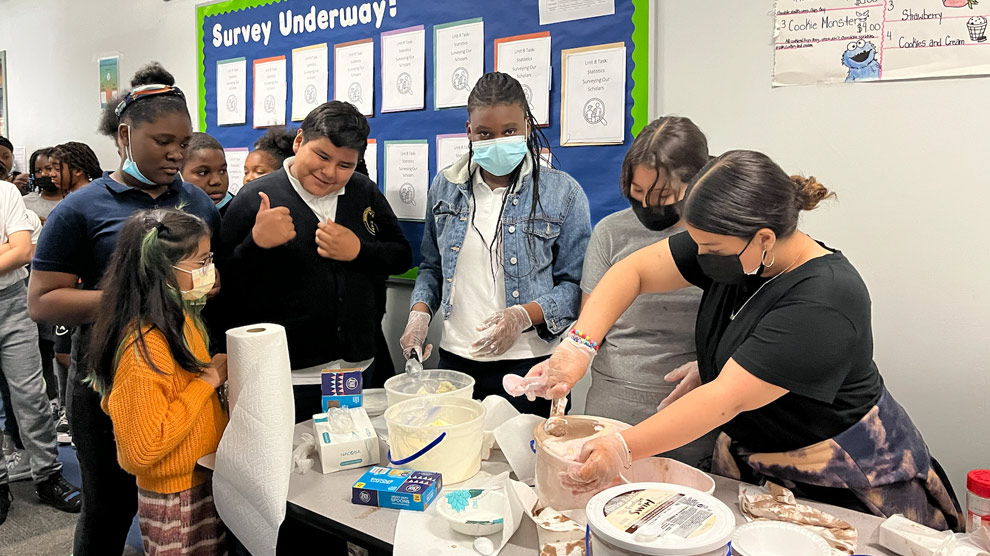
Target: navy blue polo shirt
81, 232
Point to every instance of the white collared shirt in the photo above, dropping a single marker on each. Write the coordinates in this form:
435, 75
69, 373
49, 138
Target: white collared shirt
325, 207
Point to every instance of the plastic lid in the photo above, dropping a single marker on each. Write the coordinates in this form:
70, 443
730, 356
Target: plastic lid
978, 482
660, 519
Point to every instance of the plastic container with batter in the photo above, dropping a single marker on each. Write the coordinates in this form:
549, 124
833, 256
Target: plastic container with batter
450, 383
442, 434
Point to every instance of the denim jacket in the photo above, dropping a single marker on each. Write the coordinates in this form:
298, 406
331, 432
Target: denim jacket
542, 258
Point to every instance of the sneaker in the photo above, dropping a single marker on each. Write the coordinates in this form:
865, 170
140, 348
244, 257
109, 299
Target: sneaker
56, 492
62, 433
18, 467
6, 497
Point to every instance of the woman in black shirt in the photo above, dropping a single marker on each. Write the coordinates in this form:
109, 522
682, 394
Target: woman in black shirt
785, 354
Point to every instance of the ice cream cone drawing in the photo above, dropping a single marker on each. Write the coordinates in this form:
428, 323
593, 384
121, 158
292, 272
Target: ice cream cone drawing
977, 26
960, 3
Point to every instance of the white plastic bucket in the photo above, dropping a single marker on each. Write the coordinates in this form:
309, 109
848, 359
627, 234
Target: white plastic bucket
402, 386
442, 434
658, 519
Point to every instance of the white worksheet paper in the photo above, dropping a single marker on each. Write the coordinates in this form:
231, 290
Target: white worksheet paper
310, 75
232, 91
269, 92
354, 74
407, 178
528, 60
404, 69
459, 60
593, 97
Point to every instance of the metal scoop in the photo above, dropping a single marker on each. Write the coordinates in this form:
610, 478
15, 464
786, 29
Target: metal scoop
414, 368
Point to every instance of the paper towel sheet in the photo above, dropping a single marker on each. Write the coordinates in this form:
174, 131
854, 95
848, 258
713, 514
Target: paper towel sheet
254, 458
429, 533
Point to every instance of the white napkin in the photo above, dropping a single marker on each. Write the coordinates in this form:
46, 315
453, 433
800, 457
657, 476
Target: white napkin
498, 410
560, 533
254, 458
515, 439
429, 533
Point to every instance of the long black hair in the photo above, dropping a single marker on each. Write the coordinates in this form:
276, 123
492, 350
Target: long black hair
742, 192
141, 288
493, 89
77, 156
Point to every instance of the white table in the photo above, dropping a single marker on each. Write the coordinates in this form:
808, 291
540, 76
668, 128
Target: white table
324, 502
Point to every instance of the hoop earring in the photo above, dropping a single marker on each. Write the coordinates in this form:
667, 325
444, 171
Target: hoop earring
773, 259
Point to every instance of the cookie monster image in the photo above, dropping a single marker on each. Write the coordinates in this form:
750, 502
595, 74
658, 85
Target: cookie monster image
861, 59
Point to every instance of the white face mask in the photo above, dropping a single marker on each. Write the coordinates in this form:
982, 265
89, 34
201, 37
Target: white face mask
202, 280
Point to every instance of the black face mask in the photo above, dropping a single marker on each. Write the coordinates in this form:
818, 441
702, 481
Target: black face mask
45, 184
727, 269
657, 218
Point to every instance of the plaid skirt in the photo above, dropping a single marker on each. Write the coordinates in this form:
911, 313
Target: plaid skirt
181, 524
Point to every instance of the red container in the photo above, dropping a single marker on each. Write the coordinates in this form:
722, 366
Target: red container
977, 499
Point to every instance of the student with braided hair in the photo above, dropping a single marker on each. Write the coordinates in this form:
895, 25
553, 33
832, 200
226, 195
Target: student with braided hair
502, 249
74, 165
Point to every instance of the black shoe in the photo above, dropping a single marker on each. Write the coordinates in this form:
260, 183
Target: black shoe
56, 492
5, 499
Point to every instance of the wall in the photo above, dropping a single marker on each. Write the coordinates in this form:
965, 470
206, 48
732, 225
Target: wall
904, 158
906, 161
52, 50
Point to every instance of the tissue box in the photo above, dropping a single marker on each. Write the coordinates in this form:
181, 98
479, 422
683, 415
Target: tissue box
401, 489
358, 448
341, 388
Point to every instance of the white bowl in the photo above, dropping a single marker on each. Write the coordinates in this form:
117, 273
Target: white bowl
777, 538
474, 512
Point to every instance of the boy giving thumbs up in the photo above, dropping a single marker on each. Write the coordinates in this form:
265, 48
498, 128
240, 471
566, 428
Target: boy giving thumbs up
302, 244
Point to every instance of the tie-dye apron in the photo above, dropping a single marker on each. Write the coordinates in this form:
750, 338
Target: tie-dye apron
882, 460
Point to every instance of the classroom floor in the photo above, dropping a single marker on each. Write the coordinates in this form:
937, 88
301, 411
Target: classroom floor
33, 529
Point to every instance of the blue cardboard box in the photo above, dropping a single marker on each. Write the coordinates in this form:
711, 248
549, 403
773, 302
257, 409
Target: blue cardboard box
401, 489
341, 388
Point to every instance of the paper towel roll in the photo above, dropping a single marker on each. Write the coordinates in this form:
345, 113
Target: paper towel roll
254, 458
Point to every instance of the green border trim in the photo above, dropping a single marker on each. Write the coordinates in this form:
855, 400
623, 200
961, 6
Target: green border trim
202, 12
410, 274
641, 66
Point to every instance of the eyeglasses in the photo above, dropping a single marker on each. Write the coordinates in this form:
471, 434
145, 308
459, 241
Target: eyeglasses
147, 91
201, 265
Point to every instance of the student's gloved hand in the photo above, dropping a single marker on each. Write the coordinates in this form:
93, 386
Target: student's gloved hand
600, 462
569, 362
501, 329
414, 336
21, 181
272, 226
689, 377
336, 242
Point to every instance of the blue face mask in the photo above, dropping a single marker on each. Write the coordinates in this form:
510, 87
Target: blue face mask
226, 199
130, 167
500, 156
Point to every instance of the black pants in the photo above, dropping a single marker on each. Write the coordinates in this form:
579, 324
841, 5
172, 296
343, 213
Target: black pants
47, 348
488, 379
109, 494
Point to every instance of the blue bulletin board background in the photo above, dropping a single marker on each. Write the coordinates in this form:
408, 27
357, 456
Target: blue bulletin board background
596, 168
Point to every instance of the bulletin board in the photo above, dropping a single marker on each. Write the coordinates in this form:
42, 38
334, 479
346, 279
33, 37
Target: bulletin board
596, 168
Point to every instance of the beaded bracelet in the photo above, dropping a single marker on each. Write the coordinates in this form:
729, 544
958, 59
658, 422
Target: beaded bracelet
584, 339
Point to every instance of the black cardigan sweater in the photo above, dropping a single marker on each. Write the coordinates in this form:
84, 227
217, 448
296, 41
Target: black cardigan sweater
327, 307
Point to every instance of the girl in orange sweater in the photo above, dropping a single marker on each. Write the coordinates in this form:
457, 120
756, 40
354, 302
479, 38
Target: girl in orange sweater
151, 365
